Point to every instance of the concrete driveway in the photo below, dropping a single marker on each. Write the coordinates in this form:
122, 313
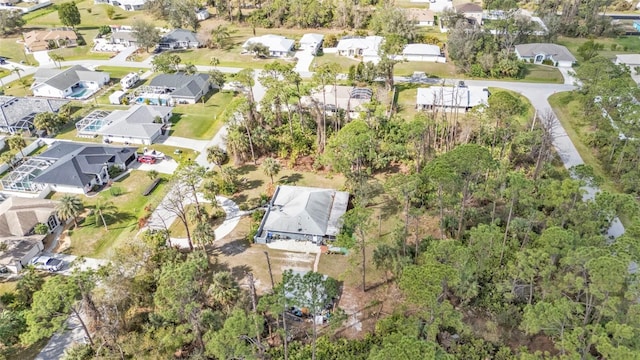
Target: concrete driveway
305, 58
42, 57
165, 166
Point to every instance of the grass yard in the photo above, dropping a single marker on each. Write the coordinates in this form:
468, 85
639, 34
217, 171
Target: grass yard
437, 70
229, 57
406, 99
14, 51
92, 239
19, 87
198, 121
258, 183
7, 286
542, 74
343, 61
632, 44
177, 229
80, 53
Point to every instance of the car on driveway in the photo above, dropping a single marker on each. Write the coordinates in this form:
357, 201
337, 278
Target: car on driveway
146, 159
3, 60
47, 263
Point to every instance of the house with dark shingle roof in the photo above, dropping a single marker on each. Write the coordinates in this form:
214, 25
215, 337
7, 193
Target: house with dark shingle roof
76, 82
181, 87
179, 39
471, 11
539, 52
77, 167
17, 113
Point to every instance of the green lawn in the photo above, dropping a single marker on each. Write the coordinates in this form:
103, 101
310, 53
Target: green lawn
19, 87
14, 51
81, 53
344, 62
543, 74
406, 99
438, 70
200, 121
92, 239
632, 43
229, 57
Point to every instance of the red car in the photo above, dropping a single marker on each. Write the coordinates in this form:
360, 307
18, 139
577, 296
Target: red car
146, 159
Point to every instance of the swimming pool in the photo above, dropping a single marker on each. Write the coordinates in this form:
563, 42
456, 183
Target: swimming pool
79, 94
152, 101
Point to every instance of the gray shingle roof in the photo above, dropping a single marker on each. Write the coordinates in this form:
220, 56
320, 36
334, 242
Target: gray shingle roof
63, 79
136, 122
76, 164
558, 52
179, 35
15, 109
183, 85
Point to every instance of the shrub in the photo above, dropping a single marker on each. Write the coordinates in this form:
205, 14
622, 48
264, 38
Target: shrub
116, 191
110, 12
81, 41
89, 10
114, 171
41, 229
548, 62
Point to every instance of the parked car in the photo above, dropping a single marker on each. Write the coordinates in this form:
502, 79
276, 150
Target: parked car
146, 159
3, 60
47, 263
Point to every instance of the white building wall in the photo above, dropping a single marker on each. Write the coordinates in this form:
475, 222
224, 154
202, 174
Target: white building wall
48, 91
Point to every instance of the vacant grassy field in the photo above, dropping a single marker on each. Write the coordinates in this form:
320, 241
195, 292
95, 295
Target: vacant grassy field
231, 57
632, 44
200, 121
80, 53
406, 99
92, 239
437, 70
13, 51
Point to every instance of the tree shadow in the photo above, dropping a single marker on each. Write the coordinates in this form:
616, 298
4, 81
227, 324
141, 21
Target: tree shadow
245, 169
291, 179
239, 272
252, 184
231, 248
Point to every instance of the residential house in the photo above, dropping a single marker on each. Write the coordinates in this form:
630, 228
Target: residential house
471, 11
537, 53
436, 6
367, 48
179, 88
18, 218
422, 17
140, 124
128, 5
124, 37
347, 98
179, 39
449, 98
76, 82
303, 213
422, 52
17, 113
67, 167
311, 42
41, 40
279, 46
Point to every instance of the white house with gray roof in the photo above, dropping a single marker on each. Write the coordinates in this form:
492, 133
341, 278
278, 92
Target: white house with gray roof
180, 87
140, 124
17, 113
303, 213
128, 5
76, 82
279, 46
538, 52
451, 98
179, 39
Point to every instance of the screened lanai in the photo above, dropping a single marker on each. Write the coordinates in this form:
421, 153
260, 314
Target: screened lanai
92, 123
21, 178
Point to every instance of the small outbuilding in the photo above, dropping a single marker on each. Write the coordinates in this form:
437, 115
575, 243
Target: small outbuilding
116, 97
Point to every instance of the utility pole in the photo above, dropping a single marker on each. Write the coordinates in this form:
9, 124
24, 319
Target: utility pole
266, 253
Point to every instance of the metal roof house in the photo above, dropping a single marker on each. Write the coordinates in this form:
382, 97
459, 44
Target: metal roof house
67, 167
76, 82
450, 98
357, 46
180, 87
311, 42
423, 52
17, 113
348, 98
539, 52
179, 39
303, 214
140, 124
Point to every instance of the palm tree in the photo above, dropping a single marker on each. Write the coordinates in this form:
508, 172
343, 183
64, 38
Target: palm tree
153, 174
271, 167
214, 61
56, 58
220, 37
16, 143
204, 234
216, 155
69, 207
224, 289
102, 207
16, 70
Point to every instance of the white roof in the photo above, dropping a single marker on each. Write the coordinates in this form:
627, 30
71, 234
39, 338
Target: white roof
447, 96
369, 44
132, 2
629, 59
273, 42
306, 210
421, 49
311, 38
116, 96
